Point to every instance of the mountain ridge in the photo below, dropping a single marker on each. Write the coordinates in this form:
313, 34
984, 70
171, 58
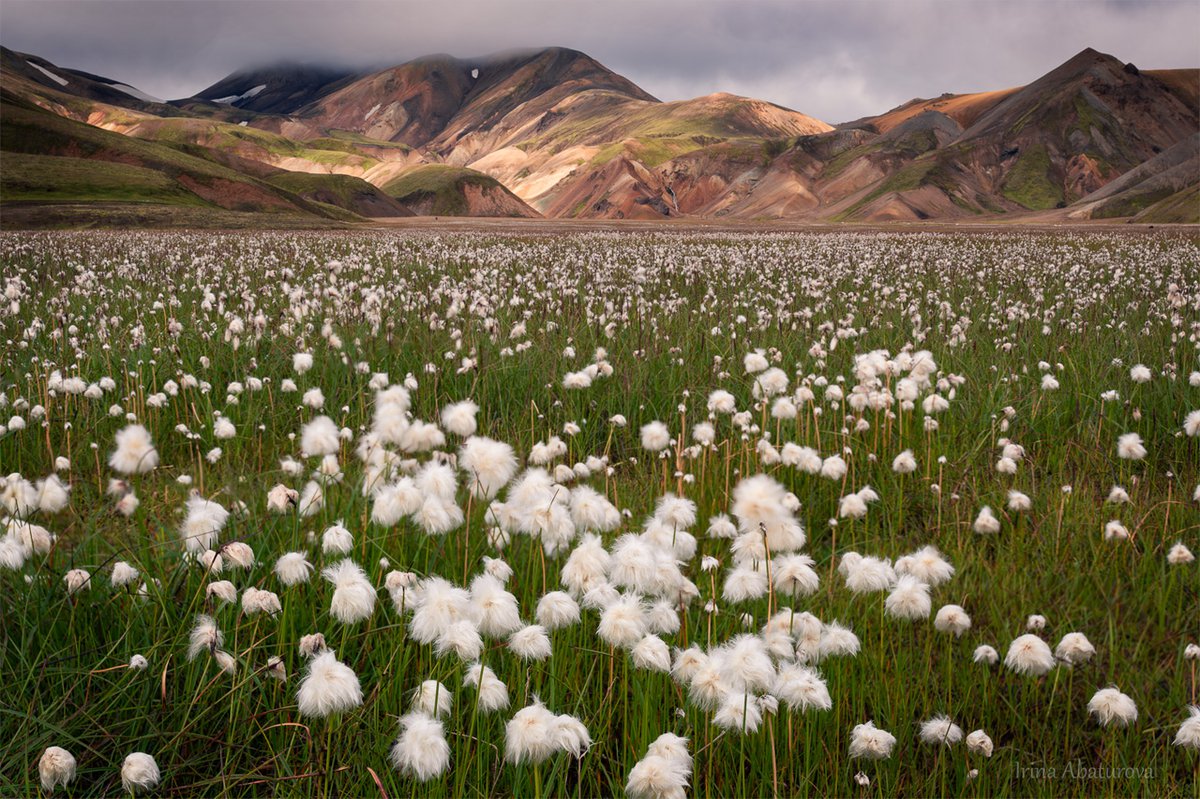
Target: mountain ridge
553, 132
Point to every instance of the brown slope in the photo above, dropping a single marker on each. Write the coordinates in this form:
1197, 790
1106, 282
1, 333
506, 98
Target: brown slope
1047, 144
42, 75
1185, 83
441, 95
443, 190
1077, 127
962, 108
560, 162
1169, 172
77, 162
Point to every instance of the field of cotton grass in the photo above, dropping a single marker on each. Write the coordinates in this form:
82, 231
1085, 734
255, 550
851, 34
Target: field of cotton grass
656, 515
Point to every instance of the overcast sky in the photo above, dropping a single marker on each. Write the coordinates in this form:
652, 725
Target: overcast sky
834, 59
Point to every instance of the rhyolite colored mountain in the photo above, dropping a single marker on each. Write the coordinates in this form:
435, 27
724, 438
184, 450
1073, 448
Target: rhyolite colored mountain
555, 133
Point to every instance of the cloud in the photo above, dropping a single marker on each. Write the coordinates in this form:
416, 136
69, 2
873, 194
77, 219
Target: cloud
833, 59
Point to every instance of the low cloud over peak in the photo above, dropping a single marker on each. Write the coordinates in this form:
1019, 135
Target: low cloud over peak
833, 60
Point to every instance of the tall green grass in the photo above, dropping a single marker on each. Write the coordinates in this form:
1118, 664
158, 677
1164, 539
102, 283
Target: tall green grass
1102, 297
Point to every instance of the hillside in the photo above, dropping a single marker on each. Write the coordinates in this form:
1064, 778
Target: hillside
441, 190
52, 163
555, 133
276, 89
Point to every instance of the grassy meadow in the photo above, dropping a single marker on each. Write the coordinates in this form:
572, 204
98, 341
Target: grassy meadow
1000, 362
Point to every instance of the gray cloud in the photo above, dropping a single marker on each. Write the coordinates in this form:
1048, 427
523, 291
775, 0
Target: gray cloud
833, 59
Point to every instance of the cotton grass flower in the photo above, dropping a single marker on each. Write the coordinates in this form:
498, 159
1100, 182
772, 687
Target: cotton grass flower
1115, 531
461, 638
986, 522
940, 730
202, 524
320, 437
432, 699
1074, 649
868, 575
337, 540
56, 767
904, 463
312, 645
421, 750
488, 464
909, 599
459, 418
979, 743
1188, 735
1109, 706
353, 595
530, 643
204, 637
655, 436
837, 641
255, 601
534, 734
739, 712
139, 772
1130, 447
1018, 502
623, 623
794, 575
658, 777
493, 693
760, 506
1029, 655
801, 688
77, 580
652, 654
986, 654
238, 554
280, 498
1191, 424
744, 583
135, 452
927, 565
293, 568
52, 494
952, 619
556, 610
868, 741
329, 687
1180, 555
123, 575
435, 606
223, 590
495, 609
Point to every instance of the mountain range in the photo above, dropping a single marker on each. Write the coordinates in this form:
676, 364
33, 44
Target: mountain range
554, 133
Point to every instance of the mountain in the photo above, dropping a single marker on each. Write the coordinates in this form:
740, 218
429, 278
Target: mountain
40, 72
49, 159
276, 89
1041, 146
441, 96
443, 190
56, 170
1159, 179
555, 133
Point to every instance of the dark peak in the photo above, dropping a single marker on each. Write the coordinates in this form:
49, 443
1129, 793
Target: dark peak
282, 68
1083, 61
526, 54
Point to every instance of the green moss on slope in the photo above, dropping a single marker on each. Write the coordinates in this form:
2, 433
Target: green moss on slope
441, 183
1029, 182
60, 179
